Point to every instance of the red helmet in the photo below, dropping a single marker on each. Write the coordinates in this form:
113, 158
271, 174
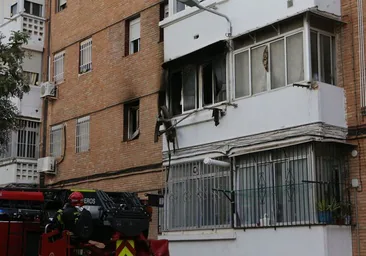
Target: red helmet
76, 199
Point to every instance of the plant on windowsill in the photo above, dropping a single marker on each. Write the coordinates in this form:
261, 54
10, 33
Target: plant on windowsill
344, 214
326, 210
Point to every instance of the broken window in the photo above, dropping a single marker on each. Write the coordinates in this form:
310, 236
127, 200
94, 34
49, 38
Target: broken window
188, 84
131, 120
214, 81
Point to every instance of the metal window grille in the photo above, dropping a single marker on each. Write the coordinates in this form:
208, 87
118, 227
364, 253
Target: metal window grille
27, 143
58, 64
56, 141
192, 199
280, 187
86, 56
82, 134
284, 187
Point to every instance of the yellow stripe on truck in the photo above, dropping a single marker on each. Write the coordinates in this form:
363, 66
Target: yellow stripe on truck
83, 190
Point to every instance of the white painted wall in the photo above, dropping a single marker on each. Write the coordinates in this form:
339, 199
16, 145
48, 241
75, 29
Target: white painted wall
299, 241
269, 111
8, 174
180, 28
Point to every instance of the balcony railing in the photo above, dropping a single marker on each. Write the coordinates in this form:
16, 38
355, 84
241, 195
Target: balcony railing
294, 186
307, 203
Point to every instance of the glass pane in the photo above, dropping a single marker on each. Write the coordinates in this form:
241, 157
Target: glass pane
325, 59
242, 74
259, 73
314, 56
278, 64
27, 6
180, 6
295, 58
189, 88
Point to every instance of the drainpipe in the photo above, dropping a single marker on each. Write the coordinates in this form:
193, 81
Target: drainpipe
45, 100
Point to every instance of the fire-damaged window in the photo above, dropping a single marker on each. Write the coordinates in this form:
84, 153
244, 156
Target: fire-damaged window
131, 121
198, 85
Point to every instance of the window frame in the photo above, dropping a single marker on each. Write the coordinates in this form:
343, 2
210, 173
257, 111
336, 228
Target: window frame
267, 42
31, 6
87, 47
79, 137
132, 22
29, 132
59, 57
54, 129
59, 7
199, 93
333, 56
128, 133
14, 6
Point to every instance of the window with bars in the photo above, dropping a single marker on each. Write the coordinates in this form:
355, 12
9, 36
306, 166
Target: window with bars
56, 138
82, 134
192, 199
279, 187
58, 67
85, 56
28, 139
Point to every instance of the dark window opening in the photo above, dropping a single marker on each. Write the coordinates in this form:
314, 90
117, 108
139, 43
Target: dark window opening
176, 93
131, 121
135, 45
207, 84
199, 85
27, 7
14, 9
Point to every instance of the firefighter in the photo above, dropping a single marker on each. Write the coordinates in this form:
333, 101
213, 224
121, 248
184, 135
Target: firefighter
76, 219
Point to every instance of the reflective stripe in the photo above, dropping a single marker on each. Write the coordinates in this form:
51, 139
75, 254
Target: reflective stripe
125, 248
83, 190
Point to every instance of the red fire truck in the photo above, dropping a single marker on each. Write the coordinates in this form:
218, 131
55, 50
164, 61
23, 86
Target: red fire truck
120, 222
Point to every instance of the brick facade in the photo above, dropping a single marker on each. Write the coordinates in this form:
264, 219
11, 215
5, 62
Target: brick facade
349, 78
115, 79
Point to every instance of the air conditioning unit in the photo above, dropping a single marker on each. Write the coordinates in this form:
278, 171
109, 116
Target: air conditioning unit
46, 165
48, 89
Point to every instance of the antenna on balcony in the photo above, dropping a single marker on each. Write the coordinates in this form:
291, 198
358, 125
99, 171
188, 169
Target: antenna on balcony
195, 3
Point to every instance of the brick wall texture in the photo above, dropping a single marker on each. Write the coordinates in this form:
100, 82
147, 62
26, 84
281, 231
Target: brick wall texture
349, 79
114, 80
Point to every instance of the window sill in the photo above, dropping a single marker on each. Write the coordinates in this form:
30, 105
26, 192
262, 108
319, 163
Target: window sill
199, 115
190, 11
199, 235
85, 73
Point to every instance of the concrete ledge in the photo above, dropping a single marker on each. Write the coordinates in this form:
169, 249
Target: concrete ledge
199, 236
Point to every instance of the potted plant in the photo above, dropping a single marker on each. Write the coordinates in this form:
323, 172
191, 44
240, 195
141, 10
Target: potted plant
345, 209
326, 210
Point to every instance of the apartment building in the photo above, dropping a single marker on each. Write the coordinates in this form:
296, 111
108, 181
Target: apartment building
352, 78
256, 147
104, 81
19, 163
